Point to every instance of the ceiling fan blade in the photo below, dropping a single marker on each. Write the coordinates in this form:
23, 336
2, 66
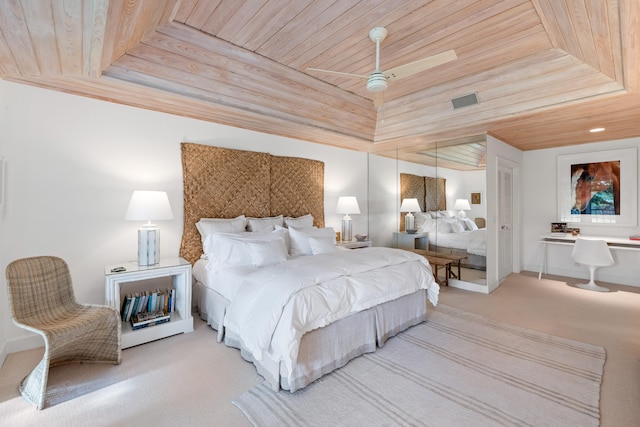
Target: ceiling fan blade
337, 73
420, 65
378, 99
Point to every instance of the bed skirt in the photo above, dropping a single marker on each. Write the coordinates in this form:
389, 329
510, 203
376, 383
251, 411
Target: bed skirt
324, 349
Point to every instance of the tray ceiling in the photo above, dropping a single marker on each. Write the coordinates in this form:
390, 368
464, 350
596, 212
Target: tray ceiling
544, 71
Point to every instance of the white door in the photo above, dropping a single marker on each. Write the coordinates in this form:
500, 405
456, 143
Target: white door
505, 222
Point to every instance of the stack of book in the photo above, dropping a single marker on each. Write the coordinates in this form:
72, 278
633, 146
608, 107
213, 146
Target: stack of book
142, 320
148, 302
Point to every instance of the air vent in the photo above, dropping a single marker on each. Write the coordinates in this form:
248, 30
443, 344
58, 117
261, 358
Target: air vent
464, 101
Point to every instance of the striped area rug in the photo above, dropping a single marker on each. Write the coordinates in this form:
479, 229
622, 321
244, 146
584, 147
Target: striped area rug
455, 369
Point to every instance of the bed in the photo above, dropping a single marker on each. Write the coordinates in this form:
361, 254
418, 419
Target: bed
296, 312
447, 233
455, 236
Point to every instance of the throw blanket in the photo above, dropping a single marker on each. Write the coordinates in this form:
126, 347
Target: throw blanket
275, 306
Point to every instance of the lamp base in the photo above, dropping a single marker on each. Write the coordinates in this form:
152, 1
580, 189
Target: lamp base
148, 245
346, 233
409, 222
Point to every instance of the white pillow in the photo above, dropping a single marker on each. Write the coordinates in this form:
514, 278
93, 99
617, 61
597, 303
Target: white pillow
457, 227
429, 225
228, 249
421, 219
447, 214
299, 239
210, 226
443, 226
264, 224
207, 226
267, 252
435, 214
322, 245
223, 249
471, 225
303, 221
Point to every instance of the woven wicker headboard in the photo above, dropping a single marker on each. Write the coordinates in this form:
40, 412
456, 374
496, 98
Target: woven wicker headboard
430, 192
224, 183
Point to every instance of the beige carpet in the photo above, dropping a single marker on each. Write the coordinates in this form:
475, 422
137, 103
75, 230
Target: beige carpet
459, 369
191, 380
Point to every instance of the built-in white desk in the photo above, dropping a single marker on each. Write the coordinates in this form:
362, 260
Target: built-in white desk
618, 243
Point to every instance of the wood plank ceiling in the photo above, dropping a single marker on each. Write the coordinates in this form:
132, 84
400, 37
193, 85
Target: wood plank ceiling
544, 71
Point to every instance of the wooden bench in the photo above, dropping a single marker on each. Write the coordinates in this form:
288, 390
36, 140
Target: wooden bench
454, 258
436, 264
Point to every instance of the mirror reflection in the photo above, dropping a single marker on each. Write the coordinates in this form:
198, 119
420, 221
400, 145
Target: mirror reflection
435, 204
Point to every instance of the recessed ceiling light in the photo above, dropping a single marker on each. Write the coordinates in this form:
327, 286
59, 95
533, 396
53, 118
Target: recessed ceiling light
594, 130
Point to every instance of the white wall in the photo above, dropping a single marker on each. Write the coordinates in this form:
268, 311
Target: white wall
540, 210
73, 162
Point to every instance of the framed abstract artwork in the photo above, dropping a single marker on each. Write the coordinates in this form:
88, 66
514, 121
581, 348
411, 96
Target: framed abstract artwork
599, 188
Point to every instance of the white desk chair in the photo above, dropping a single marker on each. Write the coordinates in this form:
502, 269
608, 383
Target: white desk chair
593, 254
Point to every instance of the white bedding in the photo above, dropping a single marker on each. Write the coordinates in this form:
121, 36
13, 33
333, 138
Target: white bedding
474, 242
226, 281
275, 306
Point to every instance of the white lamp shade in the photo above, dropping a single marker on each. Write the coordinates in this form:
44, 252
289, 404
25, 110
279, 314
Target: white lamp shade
148, 206
347, 205
410, 205
462, 204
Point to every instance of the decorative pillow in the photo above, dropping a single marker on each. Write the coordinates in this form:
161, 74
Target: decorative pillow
447, 214
435, 214
457, 227
262, 224
299, 239
267, 252
304, 221
322, 245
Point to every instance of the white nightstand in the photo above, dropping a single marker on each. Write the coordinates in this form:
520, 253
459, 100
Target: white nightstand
405, 240
181, 319
354, 244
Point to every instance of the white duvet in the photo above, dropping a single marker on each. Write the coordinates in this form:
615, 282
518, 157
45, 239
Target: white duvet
275, 306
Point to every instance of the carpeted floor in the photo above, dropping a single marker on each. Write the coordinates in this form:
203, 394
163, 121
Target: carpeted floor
191, 379
457, 368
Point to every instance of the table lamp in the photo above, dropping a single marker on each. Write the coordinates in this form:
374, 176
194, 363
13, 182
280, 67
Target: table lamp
462, 205
409, 206
148, 206
347, 205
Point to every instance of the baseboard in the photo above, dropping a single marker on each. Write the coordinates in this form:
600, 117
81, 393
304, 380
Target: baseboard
468, 286
3, 354
20, 344
601, 276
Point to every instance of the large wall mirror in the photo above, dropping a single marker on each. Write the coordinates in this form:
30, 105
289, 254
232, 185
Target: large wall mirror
449, 180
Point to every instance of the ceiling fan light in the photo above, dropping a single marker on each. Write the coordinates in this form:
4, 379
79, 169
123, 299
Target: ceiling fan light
377, 82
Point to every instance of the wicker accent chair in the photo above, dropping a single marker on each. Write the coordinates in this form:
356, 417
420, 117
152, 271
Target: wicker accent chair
42, 301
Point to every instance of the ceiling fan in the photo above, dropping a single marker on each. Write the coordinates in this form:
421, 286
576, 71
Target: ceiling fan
377, 80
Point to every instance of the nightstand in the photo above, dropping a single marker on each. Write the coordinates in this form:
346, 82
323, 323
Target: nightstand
405, 240
354, 244
181, 319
